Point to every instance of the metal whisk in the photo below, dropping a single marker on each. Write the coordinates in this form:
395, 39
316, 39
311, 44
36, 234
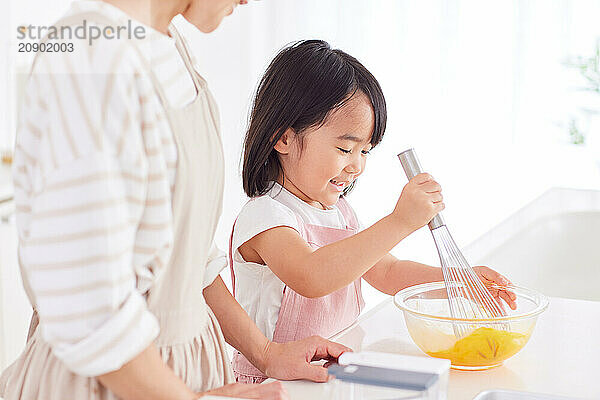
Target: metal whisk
467, 295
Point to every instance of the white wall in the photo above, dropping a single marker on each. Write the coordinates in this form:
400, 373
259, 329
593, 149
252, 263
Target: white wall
4, 78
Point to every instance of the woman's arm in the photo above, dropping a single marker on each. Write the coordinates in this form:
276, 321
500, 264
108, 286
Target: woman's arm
146, 377
239, 330
391, 275
285, 361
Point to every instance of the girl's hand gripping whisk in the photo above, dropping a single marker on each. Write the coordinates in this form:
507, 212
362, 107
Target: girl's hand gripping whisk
420, 201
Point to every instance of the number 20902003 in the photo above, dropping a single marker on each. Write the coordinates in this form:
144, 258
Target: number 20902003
46, 47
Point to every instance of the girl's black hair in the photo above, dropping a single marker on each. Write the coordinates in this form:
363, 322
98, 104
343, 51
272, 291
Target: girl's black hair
303, 83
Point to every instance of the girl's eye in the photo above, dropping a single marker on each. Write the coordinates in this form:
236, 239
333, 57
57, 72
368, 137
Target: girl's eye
365, 152
344, 150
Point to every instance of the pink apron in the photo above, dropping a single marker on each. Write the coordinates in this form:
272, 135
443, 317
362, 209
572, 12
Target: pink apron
301, 317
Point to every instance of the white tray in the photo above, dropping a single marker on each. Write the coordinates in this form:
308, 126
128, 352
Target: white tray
514, 395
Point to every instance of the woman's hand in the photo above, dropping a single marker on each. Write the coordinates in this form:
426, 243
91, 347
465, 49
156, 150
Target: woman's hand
490, 277
277, 360
267, 391
292, 360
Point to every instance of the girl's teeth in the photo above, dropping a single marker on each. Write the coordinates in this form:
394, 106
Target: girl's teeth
339, 186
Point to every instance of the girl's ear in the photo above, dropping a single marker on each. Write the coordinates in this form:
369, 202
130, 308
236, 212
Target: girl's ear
285, 142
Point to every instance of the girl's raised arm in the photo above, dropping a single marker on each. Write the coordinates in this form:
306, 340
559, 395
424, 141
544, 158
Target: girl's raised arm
315, 273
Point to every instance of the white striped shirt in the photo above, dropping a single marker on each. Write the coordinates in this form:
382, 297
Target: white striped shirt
94, 169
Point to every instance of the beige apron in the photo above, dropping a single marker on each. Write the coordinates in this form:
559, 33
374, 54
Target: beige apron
190, 339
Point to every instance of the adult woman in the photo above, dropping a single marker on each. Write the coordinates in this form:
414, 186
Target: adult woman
118, 184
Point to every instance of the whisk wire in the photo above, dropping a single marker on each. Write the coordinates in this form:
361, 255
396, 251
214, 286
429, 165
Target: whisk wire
468, 297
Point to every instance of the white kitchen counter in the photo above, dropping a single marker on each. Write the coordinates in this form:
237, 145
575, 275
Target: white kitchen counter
561, 358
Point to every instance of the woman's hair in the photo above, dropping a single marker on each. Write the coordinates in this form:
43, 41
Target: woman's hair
303, 83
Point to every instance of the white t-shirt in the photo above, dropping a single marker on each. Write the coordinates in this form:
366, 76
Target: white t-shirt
257, 288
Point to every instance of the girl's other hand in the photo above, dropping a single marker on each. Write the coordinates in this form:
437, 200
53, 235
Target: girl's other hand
268, 391
490, 277
420, 201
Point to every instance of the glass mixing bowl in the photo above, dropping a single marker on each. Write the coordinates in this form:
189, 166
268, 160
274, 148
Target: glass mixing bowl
486, 343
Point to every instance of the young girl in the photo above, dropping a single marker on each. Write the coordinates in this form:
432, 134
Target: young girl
297, 251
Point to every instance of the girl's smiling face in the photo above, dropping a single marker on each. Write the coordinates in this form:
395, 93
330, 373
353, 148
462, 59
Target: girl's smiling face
321, 162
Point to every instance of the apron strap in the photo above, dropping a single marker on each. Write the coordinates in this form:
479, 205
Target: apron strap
348, 213
199, 82
183, 49
231, 258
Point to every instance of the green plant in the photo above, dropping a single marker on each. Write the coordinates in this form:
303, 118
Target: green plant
574, 133
589, 69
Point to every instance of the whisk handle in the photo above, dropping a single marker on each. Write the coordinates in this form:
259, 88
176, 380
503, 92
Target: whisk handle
410, 164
